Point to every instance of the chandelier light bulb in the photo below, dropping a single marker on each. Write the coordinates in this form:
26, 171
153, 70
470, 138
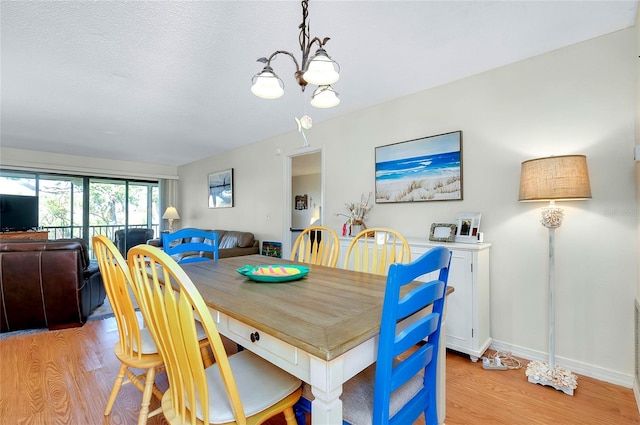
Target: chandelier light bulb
267, 85
322, 70
324, 97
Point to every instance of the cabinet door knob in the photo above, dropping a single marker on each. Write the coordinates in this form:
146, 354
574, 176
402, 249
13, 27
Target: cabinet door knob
255, 336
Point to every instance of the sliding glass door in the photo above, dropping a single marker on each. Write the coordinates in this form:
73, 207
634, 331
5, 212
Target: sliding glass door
60, 205
121, 204
82, 207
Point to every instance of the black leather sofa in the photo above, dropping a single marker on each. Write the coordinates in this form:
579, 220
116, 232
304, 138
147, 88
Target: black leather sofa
47, 284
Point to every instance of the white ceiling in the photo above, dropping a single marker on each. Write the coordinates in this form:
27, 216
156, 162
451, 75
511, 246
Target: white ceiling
168, 82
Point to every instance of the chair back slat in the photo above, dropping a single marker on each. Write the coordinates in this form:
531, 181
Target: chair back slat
117, 281
416, 299
416, 332
405, 322
172, 310
182, 241
316, 245
373, 250
411, 366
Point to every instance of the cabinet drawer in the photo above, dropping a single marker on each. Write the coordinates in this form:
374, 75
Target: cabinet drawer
243, 335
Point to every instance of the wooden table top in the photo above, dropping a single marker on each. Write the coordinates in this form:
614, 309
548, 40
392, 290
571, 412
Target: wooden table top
327, 313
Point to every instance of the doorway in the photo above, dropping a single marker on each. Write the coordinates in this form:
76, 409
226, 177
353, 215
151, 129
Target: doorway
305, 194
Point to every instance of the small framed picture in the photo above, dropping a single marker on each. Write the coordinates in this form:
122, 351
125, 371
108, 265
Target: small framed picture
442, 232
468, 224
221, 189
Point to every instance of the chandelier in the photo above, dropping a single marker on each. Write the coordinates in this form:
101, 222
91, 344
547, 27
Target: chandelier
319, 70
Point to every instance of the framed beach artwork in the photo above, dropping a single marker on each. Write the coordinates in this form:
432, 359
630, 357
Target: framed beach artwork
221, 189
426, 169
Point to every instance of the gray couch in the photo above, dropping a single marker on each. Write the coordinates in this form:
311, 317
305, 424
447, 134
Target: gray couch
231, 243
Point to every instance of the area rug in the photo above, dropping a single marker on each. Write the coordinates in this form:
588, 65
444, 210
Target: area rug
103, 312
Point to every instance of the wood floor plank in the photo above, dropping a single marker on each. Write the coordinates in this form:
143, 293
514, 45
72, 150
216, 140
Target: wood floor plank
65, 377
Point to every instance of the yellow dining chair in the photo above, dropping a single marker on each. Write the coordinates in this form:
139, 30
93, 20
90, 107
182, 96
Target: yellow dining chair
238, 389
374, 250
316, 245
135, 347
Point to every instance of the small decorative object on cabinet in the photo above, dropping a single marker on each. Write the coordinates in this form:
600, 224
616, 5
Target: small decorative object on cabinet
468, 227
468, 325
442, 232
357, 213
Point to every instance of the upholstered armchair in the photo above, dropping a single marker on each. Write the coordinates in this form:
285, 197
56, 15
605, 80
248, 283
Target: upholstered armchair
127, 238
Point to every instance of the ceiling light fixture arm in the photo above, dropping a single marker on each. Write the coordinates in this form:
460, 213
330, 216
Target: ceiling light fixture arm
299, 72
305, 43
305, 47
317, 69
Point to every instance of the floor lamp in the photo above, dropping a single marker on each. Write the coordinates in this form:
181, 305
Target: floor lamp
551, 179
171, 214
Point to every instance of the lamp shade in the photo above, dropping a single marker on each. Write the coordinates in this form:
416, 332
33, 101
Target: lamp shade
171, 213
324, 97
322, 70
267, 85
555, 178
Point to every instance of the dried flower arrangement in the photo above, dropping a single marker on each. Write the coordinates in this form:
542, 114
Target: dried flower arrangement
357, 210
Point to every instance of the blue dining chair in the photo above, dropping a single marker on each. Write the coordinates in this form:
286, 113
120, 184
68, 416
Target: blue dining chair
401, 385
190, 245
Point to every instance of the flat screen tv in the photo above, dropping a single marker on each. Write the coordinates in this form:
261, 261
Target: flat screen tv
18, 212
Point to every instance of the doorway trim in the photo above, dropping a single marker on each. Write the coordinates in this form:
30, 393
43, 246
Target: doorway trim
288, 175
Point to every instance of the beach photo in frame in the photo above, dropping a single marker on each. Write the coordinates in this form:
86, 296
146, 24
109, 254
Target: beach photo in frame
221, 189
426, 169
468, 227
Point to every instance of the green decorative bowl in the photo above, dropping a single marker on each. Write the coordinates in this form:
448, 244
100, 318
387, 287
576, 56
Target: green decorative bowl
274, 273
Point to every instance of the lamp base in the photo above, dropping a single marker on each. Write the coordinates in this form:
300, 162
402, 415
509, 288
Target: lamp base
559, 378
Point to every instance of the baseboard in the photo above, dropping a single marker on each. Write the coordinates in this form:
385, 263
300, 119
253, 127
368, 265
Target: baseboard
581, 368
636, 392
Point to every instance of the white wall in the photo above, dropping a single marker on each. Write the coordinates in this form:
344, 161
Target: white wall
579, 99
22, 159
636, 384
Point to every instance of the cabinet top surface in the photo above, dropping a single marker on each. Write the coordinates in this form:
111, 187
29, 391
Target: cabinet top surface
417, 242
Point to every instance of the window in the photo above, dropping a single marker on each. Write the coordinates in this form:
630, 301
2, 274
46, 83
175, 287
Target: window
61, 204
82, 207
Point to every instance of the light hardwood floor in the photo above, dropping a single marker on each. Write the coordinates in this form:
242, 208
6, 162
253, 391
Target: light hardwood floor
64, 377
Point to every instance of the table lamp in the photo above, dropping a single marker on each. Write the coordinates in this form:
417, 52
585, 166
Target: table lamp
553, 179
171, 214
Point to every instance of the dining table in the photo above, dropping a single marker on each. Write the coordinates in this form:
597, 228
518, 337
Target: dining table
322, 328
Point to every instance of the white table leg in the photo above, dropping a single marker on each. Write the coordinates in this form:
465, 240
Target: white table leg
326, 408
326, 386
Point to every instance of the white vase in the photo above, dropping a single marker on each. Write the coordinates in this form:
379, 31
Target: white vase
355, 229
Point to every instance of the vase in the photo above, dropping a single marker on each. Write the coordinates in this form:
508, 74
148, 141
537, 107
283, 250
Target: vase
355, 229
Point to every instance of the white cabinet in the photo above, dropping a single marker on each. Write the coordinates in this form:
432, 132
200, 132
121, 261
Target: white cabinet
468, 326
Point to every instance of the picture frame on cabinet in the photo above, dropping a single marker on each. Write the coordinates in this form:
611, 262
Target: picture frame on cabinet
443, 232
468, 227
